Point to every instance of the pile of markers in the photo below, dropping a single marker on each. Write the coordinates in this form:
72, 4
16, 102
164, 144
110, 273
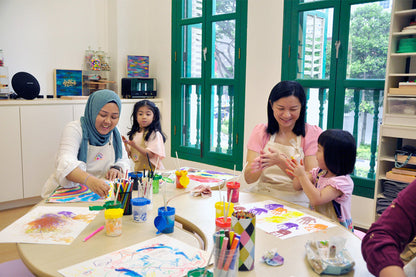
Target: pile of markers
226, 249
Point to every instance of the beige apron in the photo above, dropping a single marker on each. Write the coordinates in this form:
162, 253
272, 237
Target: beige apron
100, 158
140, 160
274, 181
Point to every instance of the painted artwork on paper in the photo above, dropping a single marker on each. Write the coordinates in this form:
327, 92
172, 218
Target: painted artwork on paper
79, 193
49, 225
159, 256
284, 222
138, 66
202, 177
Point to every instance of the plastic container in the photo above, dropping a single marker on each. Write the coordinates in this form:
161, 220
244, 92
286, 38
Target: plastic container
199, 272
156, 180
139, 208
182, 179
235, 188
113, 222
401, 105
136, 176
220, 224
219, 210
165, 221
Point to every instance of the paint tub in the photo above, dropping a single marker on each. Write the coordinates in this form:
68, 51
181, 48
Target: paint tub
219, 209
220, 224
165, 221
113, 222
233, 187
155, 183
136, 176
199, 272
139, 207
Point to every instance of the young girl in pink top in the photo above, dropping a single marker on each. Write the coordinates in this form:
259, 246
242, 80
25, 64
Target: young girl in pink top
329, 186
146, 138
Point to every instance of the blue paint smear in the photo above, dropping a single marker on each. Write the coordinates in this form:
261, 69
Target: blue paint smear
128, 272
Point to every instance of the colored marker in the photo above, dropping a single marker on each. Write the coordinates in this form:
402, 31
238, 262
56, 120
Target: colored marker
93, 233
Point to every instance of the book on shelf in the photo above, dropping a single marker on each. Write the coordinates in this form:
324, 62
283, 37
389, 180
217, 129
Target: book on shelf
404, 171
403, 158
402, 91
400, 177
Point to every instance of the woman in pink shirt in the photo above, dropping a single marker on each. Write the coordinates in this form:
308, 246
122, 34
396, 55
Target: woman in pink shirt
285, 135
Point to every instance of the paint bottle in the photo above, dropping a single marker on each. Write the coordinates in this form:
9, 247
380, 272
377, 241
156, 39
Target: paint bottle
235, 188
221, 224
113, 221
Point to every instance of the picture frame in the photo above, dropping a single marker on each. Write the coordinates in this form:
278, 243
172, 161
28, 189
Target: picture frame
68, 82
137, 66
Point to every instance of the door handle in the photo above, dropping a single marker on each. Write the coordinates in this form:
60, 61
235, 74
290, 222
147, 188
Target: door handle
337, 45
205, 50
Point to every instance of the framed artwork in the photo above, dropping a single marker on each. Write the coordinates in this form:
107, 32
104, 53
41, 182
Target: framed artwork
138, 66
68, 82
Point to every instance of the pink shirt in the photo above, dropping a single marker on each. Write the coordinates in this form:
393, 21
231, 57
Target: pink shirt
343, 183
259, 138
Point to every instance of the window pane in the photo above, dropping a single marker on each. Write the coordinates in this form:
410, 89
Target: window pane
224, 49
191, 118
314, 50
368, 41
362, 118
317, 106
221, 119
192, 8
192, 49
223, 6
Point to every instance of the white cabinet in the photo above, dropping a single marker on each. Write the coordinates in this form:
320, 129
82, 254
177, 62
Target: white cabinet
399, 123
11, 155
41, 129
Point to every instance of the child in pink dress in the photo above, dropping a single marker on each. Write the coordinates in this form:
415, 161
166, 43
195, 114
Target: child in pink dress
146, 139
329, 186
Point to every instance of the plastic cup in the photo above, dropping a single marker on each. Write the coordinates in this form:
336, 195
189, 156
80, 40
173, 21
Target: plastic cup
136, 176
182, 180
165, 220
113, 222
139, 207
220, 224
125, 200
219, 210
199, 272
235, 188
226, 262
156, 180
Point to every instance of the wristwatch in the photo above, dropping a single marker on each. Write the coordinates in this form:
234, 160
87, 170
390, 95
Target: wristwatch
117, 167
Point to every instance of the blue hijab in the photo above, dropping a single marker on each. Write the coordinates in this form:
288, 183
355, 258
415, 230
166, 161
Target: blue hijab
95, 103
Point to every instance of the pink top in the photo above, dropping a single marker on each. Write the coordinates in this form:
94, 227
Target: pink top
342, 183
259, 138
155, 144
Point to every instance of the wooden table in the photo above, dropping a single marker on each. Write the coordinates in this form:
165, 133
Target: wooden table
197, 215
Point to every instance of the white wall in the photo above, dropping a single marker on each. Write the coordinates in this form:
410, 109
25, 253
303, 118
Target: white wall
39, 36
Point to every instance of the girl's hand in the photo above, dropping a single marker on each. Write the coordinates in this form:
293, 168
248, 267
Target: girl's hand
295, 168
113, 173
98, 186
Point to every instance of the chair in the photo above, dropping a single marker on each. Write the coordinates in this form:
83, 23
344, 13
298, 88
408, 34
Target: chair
14, 268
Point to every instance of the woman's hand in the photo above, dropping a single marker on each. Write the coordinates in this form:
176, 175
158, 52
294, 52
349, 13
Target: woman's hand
273, 157
98, 186
113, 173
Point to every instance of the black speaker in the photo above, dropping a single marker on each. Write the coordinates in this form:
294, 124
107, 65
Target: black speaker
25, 85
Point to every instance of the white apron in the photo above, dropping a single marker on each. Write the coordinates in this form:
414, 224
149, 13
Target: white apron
99, 160
274, 181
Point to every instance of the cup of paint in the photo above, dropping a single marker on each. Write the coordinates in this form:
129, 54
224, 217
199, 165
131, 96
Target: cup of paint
233, 187
219, 209
182, 179
113, 221
139, 209
156, 180
136, 176
165, 220
223, 224
199, 272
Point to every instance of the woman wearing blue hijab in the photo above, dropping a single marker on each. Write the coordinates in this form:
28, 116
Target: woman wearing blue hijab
91, 149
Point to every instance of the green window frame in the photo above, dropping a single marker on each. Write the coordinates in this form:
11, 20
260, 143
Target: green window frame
208, 86
335, 85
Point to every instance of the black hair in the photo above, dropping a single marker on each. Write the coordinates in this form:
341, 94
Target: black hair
286, 89
154, 126
340, 151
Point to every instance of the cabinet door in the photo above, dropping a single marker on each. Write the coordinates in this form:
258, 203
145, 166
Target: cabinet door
10, 162
41, 127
